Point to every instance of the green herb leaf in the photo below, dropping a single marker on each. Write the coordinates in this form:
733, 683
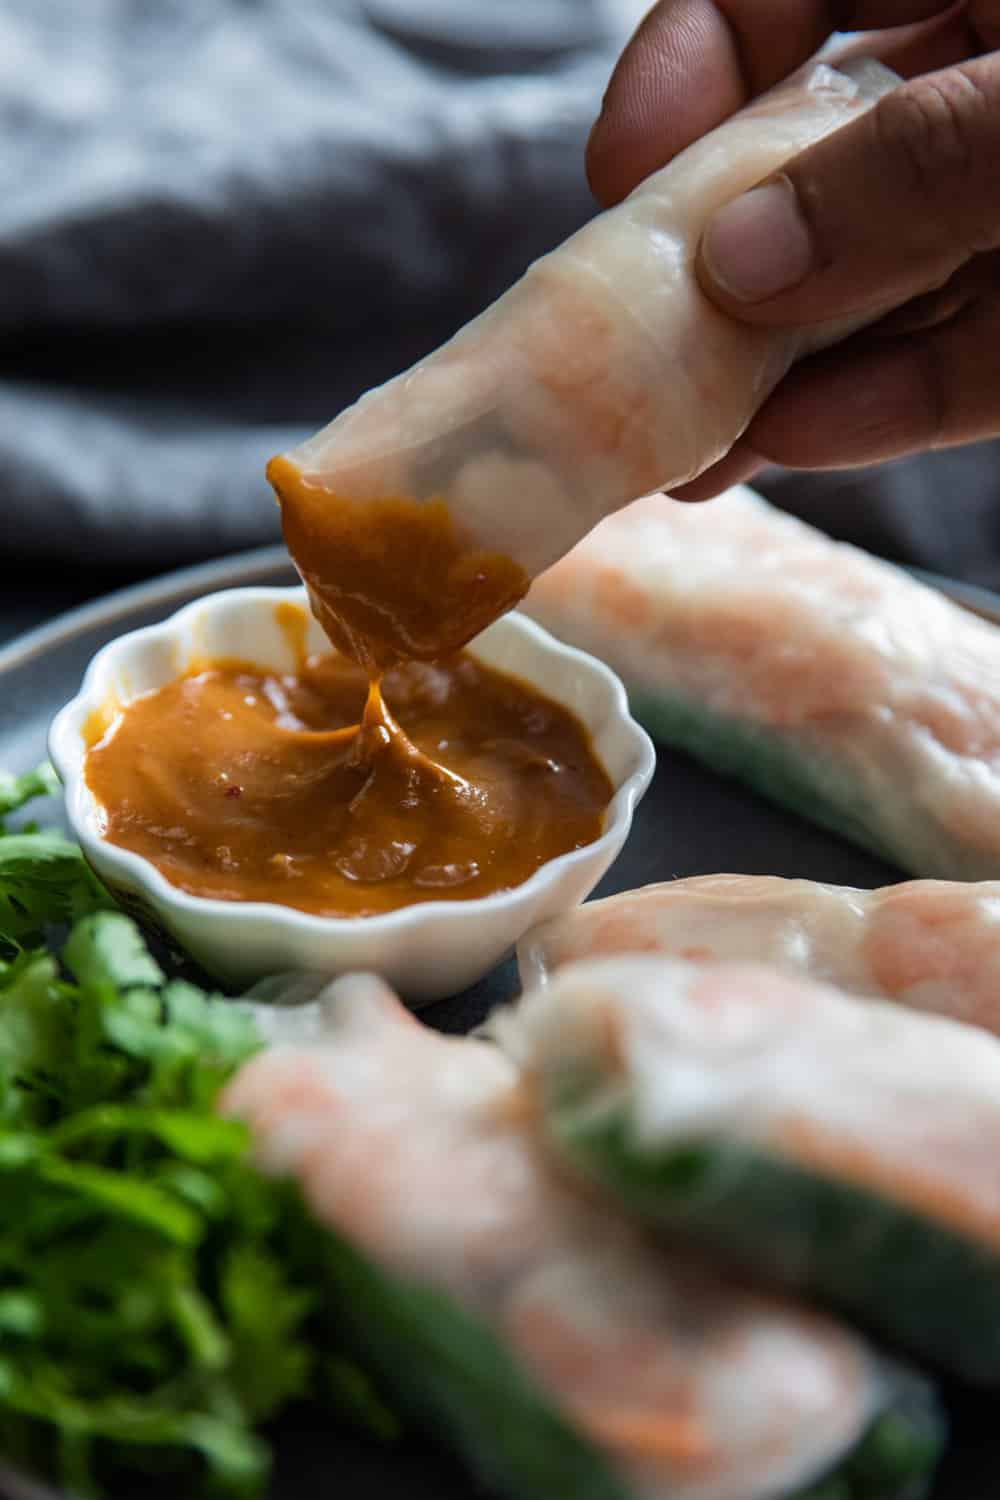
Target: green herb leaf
265, 1315
107, 951
15, 791
155, 1305
43, 880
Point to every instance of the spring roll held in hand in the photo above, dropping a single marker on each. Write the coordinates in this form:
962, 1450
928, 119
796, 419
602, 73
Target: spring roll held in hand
421, 513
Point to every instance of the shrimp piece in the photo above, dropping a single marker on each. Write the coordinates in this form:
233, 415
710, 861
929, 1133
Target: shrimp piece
933, 945
421, 512
420, 1150
828, 680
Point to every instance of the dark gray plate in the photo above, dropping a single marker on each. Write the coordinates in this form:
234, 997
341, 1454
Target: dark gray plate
691, 822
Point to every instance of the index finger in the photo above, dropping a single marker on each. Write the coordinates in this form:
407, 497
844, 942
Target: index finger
693, 63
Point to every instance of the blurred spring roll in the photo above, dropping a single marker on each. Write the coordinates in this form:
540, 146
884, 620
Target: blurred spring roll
560, 1351
421, 513
838, 1147
933, 945
825, 679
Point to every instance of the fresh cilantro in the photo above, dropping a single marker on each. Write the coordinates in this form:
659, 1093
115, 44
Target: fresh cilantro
15, 791
44, 880
155, 1307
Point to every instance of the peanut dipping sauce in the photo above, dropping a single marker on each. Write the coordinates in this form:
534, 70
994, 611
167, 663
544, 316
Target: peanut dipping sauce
306, 789
391, 579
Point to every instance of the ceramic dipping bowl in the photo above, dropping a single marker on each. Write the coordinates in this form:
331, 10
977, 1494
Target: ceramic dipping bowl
426, 951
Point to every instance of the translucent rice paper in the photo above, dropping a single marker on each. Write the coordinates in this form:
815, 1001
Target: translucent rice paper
826, 679
904, 1105
933, 945
605, 372
418, 1148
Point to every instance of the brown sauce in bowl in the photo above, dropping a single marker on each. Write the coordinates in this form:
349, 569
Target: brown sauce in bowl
338, 796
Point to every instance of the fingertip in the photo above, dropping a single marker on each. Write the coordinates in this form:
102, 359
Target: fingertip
606, 178
678, 77
623, 146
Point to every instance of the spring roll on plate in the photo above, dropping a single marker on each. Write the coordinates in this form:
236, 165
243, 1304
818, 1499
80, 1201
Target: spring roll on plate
933, 945
563, 1353
422, 512
839, 1147
829, 681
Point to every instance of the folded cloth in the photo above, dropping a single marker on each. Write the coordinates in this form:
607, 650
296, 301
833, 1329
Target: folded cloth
216, 216
221, 222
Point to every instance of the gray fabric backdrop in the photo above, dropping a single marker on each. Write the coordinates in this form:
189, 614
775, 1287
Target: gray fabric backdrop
220, 220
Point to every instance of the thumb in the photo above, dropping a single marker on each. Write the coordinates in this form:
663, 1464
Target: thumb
883, 210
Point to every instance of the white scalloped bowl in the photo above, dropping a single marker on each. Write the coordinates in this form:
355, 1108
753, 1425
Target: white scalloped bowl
427, 951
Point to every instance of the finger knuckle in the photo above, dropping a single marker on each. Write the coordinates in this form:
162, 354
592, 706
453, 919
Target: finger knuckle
929, 131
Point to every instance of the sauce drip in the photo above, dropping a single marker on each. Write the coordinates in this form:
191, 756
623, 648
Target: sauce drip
391, 579
304, 789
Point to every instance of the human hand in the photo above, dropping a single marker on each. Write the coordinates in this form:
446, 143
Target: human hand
900, 208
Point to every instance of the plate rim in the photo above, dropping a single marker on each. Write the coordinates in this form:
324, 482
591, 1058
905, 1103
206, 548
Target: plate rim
231, 570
